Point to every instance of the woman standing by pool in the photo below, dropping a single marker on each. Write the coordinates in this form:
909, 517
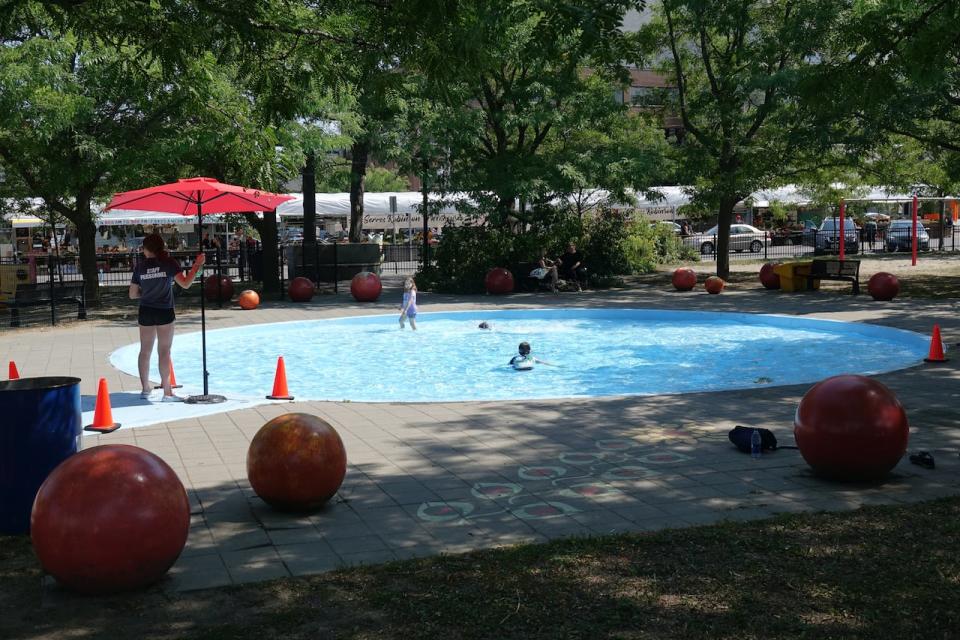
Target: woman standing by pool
152, 284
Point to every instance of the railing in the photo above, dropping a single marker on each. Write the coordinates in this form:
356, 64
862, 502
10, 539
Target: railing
812, 242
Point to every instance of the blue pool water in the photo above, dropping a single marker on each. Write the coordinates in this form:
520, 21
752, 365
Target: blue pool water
597, 352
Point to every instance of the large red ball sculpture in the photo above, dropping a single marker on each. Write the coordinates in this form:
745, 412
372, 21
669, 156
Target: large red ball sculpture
296, 462
499, 281
249, 300
210, 288
714, 284
851, 427
883, 286
768, 277
365, 287
110, 518
301, 289
684, 279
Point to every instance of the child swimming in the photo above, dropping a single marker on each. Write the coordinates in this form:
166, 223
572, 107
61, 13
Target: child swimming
485, 325
409, 308
525, 360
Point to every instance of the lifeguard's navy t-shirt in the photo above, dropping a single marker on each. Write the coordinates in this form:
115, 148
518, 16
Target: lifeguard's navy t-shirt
155, 277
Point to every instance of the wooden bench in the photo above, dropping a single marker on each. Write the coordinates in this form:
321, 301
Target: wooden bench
833, 269
39, 295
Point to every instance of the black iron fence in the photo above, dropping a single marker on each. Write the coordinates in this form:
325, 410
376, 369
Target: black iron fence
811, 242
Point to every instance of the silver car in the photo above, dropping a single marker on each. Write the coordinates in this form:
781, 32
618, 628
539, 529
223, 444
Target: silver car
900, 236
743, 237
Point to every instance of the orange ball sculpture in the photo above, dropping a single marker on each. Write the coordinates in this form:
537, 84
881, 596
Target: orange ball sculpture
301, 289
108, 519
296, 462
366, 287
684, 279
210, 288
714, 284
851, 427
768, 277
249, 300
883, 286
498, 281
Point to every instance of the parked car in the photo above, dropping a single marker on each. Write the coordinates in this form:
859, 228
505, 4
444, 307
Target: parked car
900, 236
743, 237
827, 237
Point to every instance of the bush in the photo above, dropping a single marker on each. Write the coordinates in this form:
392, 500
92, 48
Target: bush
612, 246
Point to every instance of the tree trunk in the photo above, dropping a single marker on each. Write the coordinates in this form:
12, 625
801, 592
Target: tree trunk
309, 199
358, 173
723, 235
87, 239
271, 263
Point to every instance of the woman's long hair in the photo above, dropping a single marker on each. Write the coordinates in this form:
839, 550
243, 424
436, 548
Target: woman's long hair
154, 244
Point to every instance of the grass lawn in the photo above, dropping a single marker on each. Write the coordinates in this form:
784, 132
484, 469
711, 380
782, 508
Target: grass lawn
879, 572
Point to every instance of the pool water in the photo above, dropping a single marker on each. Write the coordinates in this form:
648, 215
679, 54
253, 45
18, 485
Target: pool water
594, 352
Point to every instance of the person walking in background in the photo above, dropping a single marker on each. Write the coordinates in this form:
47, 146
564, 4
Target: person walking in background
408, 310
152, 285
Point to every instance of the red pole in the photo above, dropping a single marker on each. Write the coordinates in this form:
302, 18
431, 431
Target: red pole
842, 233
914, 262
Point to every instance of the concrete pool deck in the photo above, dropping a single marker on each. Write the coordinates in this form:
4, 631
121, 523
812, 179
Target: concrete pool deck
425, 479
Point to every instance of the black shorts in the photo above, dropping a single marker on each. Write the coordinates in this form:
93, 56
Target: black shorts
153, 317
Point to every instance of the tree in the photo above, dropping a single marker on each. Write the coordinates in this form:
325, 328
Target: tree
79, 121
737, 67
503, 110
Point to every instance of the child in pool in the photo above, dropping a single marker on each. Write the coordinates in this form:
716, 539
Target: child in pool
485, 325
525, 360
409, 308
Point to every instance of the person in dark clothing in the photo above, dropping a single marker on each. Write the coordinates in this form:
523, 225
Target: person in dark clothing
572, 267
152, 285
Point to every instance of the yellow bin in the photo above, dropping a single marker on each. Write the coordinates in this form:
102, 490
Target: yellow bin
790, 276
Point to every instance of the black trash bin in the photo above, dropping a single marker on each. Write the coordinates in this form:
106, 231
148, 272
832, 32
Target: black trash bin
41, 427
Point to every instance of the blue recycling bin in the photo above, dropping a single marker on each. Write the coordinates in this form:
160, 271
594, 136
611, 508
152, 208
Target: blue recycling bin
41, 427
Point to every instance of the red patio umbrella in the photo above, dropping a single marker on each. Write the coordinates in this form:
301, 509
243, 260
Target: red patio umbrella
196, 197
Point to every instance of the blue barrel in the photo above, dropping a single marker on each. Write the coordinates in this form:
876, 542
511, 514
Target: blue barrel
41, 427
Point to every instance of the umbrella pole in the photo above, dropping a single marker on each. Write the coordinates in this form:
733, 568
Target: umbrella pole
206, 398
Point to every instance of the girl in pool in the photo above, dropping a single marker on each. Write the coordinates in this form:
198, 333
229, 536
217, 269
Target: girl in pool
409, 308
152, 285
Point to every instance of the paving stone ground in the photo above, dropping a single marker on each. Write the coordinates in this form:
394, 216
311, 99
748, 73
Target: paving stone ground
426, 479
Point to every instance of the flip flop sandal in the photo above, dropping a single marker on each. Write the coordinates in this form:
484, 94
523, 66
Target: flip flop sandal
924, 459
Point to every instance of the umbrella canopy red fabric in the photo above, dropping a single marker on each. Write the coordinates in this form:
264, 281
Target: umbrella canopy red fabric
197, 196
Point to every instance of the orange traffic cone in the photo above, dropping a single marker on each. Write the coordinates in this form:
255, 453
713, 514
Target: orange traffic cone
280, 391
102, 415
936, 347
12, 372
173, 379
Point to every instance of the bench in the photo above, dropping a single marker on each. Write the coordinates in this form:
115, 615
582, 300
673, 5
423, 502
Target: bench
833, 269
39, 295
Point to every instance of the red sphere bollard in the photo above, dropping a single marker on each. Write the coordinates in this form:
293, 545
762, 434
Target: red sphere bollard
108, 519
714, 285
210, 288
768, 277
296, 462
366, 286
883, 286
249, 300
301, 289
851, 427
684, 279
499, 281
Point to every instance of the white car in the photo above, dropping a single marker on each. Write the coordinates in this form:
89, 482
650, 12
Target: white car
743, 237
673, 226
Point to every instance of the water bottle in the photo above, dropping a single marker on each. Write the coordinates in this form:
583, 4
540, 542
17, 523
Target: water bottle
756, 444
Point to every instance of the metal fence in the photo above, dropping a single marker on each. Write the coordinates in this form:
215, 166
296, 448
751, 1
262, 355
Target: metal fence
812, 242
